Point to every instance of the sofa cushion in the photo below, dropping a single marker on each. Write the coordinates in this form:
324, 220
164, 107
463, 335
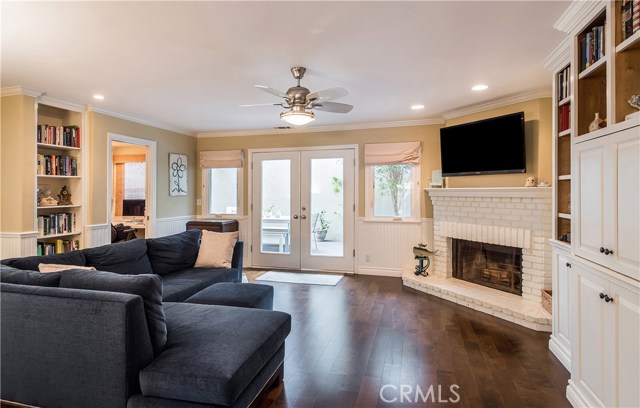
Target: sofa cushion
31, 262
213, 352
16, 276
174, 252
129, 257
179, 286
149, 287
216, 249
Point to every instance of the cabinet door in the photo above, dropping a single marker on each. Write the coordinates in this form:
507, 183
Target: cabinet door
624, 351
625, 151
560, 342
591, 190
589, 323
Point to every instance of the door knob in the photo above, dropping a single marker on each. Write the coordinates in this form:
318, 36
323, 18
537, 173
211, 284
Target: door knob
304, 217
295, 217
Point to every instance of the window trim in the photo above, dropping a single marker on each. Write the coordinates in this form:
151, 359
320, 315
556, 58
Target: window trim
206, 182
369, 197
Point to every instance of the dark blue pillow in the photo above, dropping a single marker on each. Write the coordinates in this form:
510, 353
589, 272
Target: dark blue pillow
128, 258
174, 252
31, 278
30, 263
149, 287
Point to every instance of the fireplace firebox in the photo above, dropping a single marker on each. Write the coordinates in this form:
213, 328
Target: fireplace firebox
495, 266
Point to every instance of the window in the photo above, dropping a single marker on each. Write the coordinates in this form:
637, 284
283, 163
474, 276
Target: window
392, 177
222, 182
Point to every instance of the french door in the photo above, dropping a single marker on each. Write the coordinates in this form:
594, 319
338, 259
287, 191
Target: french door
303, 209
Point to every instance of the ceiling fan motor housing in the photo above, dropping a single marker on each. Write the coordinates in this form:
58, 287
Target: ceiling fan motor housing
298, 95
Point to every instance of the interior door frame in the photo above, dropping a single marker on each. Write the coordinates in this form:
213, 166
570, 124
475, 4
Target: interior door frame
356, 188
151, 159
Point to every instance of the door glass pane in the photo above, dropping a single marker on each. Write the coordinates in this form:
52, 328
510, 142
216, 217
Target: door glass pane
223, 191
327, 207
276, 206
392, 190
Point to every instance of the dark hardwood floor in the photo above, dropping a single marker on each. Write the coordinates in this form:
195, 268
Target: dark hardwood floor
370, 333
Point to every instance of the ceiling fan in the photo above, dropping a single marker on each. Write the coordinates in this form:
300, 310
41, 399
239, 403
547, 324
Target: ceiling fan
300, 101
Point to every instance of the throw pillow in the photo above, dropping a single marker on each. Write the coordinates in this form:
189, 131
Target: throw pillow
216, 249
47, 268
149, 287
174, 252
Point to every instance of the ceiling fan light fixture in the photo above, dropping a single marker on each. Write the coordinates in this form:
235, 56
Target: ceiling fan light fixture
297, 118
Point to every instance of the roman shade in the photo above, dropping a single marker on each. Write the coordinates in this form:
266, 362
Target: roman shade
392, 153
221, 159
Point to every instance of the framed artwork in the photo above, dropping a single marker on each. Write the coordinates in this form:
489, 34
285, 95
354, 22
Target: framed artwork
177, 174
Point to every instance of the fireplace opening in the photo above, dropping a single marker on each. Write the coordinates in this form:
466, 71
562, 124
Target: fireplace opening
495, 266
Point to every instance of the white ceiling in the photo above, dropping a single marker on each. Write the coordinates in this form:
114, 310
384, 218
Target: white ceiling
188, 65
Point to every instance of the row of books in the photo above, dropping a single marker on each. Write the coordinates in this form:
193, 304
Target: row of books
59, 135
592, 47
58, 247
56, 165
630, 17
52, 224
564, 83
564, 117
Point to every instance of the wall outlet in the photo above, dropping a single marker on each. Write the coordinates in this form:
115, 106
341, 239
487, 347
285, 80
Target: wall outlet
199, 201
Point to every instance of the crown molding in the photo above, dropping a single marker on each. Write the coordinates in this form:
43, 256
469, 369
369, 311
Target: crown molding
498, 103
19, 90
130, 118
579, 11
60, 103
315, 129
559, 57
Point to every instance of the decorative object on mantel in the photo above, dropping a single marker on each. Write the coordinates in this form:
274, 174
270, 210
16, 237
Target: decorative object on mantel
64, 198
544, 183
436, 180
44, 196
634, 101
422, 254
177, 174
530, 182
597, 123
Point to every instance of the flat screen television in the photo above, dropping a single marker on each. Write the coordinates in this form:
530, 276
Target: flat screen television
489, 146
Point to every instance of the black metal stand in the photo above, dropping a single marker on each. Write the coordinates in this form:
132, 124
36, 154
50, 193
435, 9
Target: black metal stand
421, 268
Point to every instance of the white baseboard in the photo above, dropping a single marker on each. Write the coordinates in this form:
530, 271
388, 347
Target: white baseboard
560, 352
16, 244
392, 272
576, 398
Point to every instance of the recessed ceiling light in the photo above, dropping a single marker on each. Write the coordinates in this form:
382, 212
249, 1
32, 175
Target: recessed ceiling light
480, 87
98, 97
416, 107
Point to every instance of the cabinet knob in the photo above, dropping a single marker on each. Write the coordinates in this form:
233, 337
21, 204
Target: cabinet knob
602, 250
606, 298
568, 265
605, 251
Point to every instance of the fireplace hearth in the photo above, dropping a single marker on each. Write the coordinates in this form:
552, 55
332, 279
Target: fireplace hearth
495, 266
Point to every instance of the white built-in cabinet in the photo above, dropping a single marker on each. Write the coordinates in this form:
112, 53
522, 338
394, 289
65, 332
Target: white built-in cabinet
608, 206
606, 323
560, 343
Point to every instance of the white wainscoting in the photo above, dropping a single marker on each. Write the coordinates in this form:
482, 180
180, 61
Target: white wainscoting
171, 225
15, 244
385, 248
97, 235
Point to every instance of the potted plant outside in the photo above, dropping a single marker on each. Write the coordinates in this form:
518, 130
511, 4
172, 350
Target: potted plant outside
321, 232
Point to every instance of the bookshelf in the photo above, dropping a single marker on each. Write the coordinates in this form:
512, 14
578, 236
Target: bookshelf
627, 56
59, 143
562, 100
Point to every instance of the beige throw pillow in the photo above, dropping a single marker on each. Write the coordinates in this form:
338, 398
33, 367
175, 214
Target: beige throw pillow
45, 268
216, 249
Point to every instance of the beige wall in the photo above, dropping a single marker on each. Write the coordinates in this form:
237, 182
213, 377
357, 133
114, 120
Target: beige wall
537, 134
537, 116
167, 142
18, 163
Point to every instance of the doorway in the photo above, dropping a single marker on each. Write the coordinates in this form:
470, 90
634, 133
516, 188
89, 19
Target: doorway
131, 184
303, 209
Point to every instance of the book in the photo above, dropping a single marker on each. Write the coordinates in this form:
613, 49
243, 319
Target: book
635, 19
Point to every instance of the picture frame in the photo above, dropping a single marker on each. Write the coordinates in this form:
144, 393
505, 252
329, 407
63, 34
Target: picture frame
178, 169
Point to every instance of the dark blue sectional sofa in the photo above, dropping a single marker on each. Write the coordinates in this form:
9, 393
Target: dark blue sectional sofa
127, 336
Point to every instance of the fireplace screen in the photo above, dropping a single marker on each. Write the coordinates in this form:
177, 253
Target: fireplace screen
494, 266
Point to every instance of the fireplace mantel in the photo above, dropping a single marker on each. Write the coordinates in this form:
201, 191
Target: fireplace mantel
520, 192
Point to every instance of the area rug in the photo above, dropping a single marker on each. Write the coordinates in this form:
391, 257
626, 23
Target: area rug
299, 277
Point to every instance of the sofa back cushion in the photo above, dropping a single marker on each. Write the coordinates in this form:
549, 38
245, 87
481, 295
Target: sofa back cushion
174, 252
149, 287
31, 278
128, 258
31, 263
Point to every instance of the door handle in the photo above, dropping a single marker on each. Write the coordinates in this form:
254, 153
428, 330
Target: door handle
295, 217
304, 217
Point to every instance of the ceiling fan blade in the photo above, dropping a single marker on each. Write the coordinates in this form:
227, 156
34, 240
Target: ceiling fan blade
272, 91
328, 94
333, 107
260, 104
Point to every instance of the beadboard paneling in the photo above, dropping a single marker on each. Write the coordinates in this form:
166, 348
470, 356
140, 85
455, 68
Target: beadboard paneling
15, 244
171, 225
97, 235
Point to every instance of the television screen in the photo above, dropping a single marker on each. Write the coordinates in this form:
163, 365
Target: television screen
490, 146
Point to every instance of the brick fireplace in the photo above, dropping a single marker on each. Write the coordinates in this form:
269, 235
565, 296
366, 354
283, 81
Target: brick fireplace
518, 218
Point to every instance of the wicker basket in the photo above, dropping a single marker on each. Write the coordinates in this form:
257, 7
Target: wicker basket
546, 300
